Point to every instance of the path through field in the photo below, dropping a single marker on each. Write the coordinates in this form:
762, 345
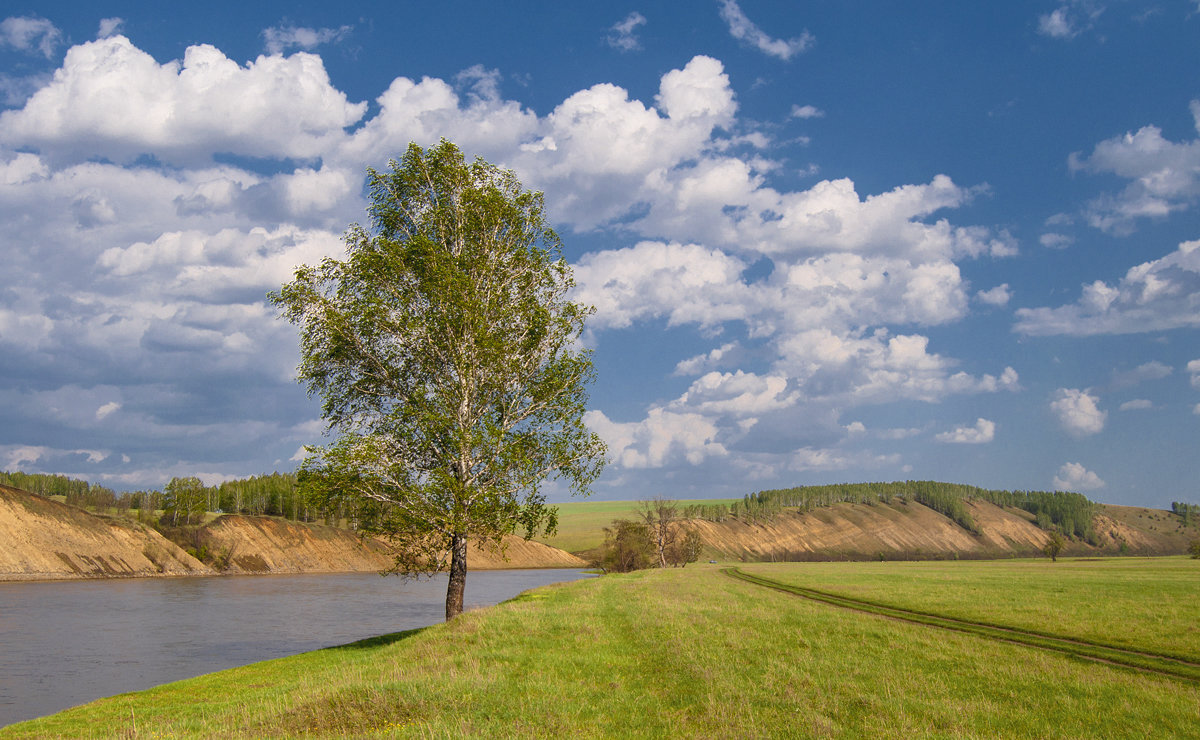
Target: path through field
1171, 665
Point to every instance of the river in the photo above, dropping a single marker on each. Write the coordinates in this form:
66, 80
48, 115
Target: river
64, 643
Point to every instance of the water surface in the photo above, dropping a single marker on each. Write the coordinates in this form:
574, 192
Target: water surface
64, 643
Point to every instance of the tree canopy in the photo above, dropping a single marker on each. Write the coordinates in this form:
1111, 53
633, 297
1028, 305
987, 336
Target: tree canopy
445, 350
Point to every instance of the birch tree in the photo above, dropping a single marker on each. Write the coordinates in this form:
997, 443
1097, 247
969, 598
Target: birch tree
445, 350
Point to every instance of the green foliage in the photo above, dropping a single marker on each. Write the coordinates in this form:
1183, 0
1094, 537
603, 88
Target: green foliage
1187, 512
1070, 512
685, 549
628, 546
183, 497
1194, 549
444, 349
76, 492
1054, 546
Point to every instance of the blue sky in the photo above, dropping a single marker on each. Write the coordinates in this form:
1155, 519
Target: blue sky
826, 241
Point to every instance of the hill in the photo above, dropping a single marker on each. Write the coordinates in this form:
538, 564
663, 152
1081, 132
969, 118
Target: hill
43, 539
900, 520
912, 531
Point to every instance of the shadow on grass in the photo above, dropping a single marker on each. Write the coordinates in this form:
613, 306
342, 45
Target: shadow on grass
378, 641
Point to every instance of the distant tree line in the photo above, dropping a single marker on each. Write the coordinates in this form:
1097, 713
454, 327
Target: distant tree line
1187, 512
276, 494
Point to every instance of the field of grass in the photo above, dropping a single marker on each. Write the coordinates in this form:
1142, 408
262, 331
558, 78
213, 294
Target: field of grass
696, 653
581, 523
1139, 603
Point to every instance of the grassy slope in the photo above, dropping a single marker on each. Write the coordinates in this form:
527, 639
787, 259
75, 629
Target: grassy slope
581, 523
695, 653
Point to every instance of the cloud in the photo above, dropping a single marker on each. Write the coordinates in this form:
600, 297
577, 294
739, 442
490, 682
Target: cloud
1137, 404
743, 29
1052, 240
30, 33
1153, 296
151, 309
1056, 24
738, 394
710, 360
997, 296
1078, 412
1070, 19
109, 27
1164, 176
621, 35
1193, 368
279, 39
807, 111
1074, 477
983, 432
16, 456
663, 437
685, 283
113, 100
1153, 370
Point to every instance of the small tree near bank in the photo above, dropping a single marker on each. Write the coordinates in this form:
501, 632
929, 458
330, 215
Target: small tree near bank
628, 546
445, 351
1194, 549
659, 537
1054, 546
661, 518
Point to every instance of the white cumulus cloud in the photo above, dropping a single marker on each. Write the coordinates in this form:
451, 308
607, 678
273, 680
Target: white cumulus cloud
1078, 411
1075, 477
112, 99
983, 432
1153, 296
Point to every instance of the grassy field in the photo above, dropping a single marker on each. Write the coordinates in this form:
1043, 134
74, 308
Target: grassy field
581, 523
1139, 603
696, 653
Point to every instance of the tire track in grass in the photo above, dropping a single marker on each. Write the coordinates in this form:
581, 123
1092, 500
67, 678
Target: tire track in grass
1167, 665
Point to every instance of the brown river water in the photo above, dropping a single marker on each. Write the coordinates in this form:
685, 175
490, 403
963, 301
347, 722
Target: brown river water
64, 643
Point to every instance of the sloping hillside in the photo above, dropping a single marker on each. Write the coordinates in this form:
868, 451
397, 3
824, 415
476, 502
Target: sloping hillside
910, 530
268, 545
41, 539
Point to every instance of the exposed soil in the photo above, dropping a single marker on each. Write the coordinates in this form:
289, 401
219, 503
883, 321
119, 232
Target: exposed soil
912, 531
266, 545
42, 539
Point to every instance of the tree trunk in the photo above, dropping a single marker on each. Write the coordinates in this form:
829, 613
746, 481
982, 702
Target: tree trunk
458, 575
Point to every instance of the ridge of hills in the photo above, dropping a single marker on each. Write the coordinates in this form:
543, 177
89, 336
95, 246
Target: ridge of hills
43, 539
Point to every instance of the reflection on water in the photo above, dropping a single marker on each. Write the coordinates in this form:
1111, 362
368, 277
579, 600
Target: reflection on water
66, 643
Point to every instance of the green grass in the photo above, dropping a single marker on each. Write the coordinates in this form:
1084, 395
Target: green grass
692, 653
581, 523
1139, 603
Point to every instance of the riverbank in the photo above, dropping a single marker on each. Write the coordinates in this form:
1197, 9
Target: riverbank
64, 643
695, 653
44, 539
